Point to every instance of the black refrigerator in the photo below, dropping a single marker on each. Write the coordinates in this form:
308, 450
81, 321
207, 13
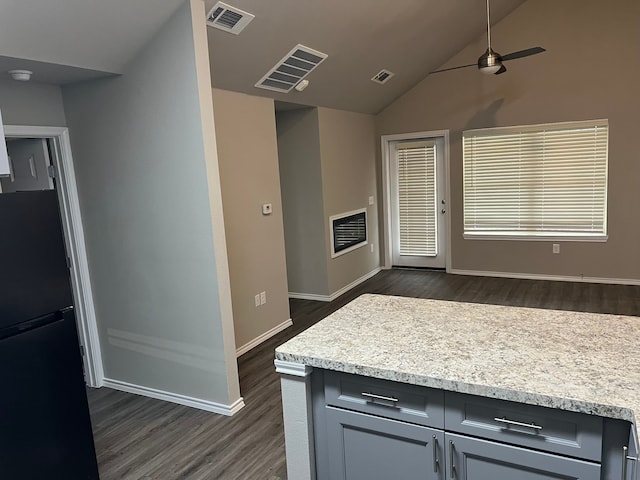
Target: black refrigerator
45, 429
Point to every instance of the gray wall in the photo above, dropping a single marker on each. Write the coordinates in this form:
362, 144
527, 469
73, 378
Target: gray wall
348, 152
563, 84
34, 104
248, 156
302, 201
327, 167
146, 170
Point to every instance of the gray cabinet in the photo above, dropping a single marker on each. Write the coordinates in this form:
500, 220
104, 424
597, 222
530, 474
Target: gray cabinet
368, 429
365, 447
477, 459
540, 428
399, 401
630, 458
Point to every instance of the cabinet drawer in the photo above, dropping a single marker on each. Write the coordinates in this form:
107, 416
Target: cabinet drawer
398, 401
557, 431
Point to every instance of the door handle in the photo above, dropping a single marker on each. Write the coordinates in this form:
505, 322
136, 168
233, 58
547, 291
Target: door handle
452, 465
625, 458
435, 454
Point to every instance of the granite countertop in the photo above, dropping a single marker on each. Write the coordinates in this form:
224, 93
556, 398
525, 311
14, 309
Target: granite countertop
582, 362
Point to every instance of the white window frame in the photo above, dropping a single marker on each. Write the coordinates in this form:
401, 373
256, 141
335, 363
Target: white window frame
541, 235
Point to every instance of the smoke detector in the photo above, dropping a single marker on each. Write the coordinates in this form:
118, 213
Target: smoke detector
21, 75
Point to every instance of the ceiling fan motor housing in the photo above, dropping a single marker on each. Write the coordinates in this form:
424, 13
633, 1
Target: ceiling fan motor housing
490, 61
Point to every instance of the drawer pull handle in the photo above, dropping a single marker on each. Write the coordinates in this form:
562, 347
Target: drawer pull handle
373, 396
519, 424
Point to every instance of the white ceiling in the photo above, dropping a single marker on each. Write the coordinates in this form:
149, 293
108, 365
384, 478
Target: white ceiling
408, 37
100, 35
65, 41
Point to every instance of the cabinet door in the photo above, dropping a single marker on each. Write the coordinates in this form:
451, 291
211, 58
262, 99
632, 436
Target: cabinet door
632, 472
364, 447
475, 459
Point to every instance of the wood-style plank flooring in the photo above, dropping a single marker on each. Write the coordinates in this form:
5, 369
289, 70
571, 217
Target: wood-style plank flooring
140, 438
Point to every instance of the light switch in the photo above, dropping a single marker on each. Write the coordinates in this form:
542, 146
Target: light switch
371, 200
267, 208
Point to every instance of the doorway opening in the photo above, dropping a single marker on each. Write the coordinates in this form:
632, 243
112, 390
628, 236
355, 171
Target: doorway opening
416, 195
40, 158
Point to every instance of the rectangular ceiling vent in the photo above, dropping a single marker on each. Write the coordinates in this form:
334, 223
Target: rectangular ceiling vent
228, 18
383, 76
289, 71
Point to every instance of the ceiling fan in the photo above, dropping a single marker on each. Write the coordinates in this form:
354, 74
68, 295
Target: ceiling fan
490, 62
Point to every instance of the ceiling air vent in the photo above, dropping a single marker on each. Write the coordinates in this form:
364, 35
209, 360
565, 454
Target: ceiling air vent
289, 71
383, 76
228, 18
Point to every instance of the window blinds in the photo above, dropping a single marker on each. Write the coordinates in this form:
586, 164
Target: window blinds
416, 169
542, 180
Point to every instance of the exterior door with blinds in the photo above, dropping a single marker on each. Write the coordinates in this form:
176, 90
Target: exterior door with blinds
418, 209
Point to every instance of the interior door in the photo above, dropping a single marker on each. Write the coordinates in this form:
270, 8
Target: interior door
28, 165
418, 208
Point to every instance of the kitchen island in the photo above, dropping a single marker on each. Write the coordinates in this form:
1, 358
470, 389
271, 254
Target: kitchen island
568, 361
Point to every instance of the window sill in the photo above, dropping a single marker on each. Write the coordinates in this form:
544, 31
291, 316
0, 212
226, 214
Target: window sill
537, 238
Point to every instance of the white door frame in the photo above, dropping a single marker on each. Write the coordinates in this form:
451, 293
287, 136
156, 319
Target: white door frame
62, 160
386, 190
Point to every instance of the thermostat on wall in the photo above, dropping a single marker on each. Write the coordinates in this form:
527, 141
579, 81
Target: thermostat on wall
267, 208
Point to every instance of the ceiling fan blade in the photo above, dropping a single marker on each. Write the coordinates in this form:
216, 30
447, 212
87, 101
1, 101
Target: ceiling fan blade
454, 68
523, 53
502, 70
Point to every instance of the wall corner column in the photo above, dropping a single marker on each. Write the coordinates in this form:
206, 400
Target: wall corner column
298, 419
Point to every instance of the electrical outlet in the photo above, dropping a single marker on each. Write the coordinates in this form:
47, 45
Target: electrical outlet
257, 298
556, 248
263, 298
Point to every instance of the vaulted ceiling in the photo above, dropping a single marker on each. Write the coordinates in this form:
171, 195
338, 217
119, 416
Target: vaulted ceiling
65, 41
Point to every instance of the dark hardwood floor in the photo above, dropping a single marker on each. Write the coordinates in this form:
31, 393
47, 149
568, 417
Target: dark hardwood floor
141, 438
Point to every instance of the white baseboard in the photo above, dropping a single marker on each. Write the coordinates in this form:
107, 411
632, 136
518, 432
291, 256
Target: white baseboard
206, 405
334, 295
310, 296
555, 278
353, 284
264, 337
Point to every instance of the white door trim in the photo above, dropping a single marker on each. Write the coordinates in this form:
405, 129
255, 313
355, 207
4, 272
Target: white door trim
74, 238
386, 189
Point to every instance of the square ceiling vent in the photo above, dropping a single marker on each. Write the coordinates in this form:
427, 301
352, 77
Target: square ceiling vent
383, 76
293, 68
228, 18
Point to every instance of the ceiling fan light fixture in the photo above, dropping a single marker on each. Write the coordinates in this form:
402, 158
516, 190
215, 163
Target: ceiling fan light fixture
489, 62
